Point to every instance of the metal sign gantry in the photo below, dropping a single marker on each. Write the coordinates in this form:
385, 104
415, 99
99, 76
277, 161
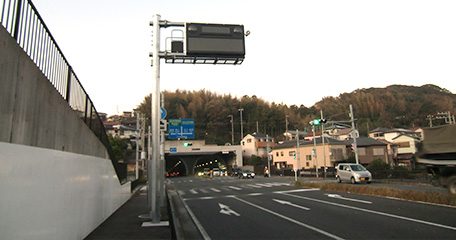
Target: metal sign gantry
203, 43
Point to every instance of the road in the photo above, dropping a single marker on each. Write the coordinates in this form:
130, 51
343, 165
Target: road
269, 208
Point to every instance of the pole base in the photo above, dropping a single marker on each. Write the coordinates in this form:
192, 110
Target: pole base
159, 224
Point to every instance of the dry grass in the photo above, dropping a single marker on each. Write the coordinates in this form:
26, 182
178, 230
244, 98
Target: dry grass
421, 196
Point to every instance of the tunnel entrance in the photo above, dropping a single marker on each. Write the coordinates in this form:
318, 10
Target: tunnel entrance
175, 167
209, 162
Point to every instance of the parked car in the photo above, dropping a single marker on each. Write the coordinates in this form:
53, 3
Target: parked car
216, 172
223, 172
246, 174
355, 173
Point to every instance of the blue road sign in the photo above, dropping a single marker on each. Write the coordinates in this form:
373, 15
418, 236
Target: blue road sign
181, 128
173, 149
162, 113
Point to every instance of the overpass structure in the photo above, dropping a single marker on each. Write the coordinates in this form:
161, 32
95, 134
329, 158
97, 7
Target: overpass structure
198, 154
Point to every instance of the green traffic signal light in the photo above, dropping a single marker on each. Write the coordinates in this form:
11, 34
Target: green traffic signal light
186, 144
316, 122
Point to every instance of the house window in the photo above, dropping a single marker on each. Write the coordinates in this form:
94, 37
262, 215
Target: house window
362, 151
379, 152
308, 157
249, 140
307, 164
281, 154
277, 154
291, 153
404, 144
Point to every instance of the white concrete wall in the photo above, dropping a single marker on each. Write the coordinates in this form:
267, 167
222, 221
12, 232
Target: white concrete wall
50, 194
32, 111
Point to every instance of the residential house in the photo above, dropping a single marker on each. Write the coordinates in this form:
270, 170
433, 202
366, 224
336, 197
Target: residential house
403, 143
369, 149
286, 156
116, 129
255, 144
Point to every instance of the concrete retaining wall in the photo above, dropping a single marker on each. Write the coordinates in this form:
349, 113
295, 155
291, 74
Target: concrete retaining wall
50, 194
32, 112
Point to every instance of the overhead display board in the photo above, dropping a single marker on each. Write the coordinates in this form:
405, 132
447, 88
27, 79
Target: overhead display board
214, 40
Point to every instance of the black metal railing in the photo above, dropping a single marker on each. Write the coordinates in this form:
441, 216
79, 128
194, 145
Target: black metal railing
22, 20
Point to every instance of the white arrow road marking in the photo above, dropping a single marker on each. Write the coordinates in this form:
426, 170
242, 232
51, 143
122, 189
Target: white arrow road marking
290, 219
227, 210
291, 204
348, 199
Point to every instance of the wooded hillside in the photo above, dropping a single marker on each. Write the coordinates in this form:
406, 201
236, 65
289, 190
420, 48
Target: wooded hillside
393, 106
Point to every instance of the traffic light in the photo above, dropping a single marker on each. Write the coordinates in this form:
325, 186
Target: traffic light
317, 122
186, 144
294, 155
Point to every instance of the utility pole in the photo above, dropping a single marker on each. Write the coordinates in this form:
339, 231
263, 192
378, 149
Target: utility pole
355, 145
315, 150
286, 126
137, 146
323, 141
232, 129
267, 155
297, 150
242, 127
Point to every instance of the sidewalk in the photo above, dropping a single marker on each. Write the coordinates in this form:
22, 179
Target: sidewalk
126, 224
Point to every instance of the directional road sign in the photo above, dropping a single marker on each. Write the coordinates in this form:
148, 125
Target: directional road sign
181, 128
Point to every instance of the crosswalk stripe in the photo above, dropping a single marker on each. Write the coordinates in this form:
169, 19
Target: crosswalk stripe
235, 188
215, 190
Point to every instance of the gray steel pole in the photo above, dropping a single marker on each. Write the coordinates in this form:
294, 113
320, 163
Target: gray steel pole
162, 160
232, 129
355, 145
315, 150
242, 127
153, 167
323, 142
297, 150
137, 146
267, 155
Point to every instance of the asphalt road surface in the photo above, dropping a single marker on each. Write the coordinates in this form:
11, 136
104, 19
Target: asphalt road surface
269, 208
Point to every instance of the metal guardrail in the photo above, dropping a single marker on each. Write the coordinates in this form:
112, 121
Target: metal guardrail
22, 20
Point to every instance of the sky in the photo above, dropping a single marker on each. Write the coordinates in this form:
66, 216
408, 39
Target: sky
298, 52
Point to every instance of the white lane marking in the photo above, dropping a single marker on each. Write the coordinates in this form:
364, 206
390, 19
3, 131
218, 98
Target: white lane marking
193, 191
264, 184
290, 204
255, 194
203, 190
214, 189
235, 188
298, 190
181, 192
348, 199
197, 223
224, 209
253, 185
374, 212
291, 220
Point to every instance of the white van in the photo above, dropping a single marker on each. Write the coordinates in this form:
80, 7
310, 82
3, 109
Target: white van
354, 173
